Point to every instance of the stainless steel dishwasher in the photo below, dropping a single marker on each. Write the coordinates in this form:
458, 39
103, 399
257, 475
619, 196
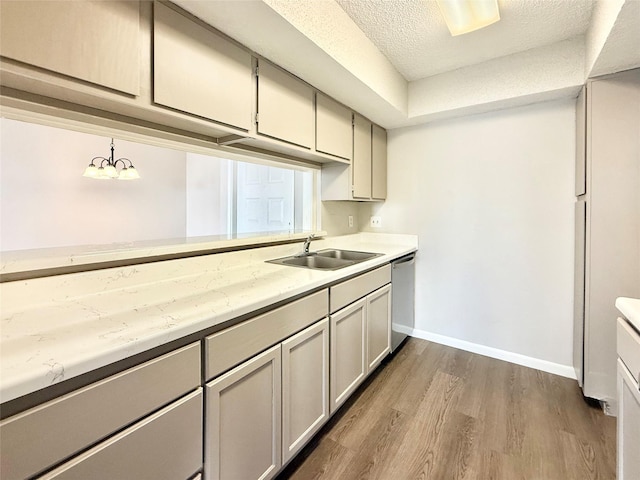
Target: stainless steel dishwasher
402, 298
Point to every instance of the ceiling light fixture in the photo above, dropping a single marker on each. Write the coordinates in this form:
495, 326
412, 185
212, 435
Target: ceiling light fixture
109, 171
464, 16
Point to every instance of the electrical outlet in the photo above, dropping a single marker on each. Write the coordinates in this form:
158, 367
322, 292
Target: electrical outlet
350, 221
376, 222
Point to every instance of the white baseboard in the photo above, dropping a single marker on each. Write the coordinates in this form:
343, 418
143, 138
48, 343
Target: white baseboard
518, 359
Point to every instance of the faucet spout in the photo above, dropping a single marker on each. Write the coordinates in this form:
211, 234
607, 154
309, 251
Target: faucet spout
307, 243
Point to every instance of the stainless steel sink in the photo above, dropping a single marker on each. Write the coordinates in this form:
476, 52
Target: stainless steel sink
348, 255
330, 259
316, 261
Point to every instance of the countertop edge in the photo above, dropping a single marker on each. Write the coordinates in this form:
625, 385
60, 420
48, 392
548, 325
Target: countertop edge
630, 308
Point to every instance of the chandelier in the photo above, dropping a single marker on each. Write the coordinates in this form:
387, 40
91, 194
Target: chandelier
109, 169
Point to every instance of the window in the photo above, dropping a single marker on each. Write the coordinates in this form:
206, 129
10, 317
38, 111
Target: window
47, 203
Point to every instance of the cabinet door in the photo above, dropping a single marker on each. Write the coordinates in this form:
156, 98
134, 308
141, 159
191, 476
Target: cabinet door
243, 418
361, 163
348, 351
579, 288
378, 163
165, 446
305, 386
581, 143
378, 326
199, 72
628, 425
98, 42
334, 128
285, 106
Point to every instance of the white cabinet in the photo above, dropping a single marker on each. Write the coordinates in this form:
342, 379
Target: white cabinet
608, 153
348, 351
378, 326
305, 387
628, 344
97, 42
366, 177
262, 412
628, 425
361, 163
198, 71
285, 106
334, 128
378, 163
360, 331
243, 420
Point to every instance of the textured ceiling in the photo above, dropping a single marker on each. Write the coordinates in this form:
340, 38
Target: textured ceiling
415, 39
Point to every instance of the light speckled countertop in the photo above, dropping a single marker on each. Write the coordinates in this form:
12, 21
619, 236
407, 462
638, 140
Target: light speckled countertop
55, 328
630, 308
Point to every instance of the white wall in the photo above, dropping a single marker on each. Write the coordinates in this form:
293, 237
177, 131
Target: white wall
335, 217
47, 203
491, 198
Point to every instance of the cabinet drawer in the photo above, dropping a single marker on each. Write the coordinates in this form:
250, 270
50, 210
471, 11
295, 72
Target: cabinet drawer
165, 446
629, 348
232, 346
42, 436
348, 292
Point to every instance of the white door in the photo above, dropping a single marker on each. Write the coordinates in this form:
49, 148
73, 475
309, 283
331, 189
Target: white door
264, 199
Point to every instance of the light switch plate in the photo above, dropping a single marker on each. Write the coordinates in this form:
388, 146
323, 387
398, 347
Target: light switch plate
376, 222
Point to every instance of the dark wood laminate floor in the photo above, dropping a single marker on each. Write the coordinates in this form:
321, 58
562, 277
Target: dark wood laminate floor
435, 412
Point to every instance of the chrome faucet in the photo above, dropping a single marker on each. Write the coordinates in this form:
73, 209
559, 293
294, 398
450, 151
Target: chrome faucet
307, 242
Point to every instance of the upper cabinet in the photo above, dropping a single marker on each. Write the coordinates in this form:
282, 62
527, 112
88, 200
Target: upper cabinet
361, 165
378, 163
198, 71
581, 143
152, 68
97, 42
285, 106
366, 177
334, 128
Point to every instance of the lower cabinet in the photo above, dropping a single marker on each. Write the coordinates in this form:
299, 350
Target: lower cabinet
360, 339
628, 424
348, 351
270, 383
378, 326
259, 414
628, 345
243, 420
165, 446
123, 416
305, 387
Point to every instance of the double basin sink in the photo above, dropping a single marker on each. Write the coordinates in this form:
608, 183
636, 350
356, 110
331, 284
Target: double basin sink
330, 259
